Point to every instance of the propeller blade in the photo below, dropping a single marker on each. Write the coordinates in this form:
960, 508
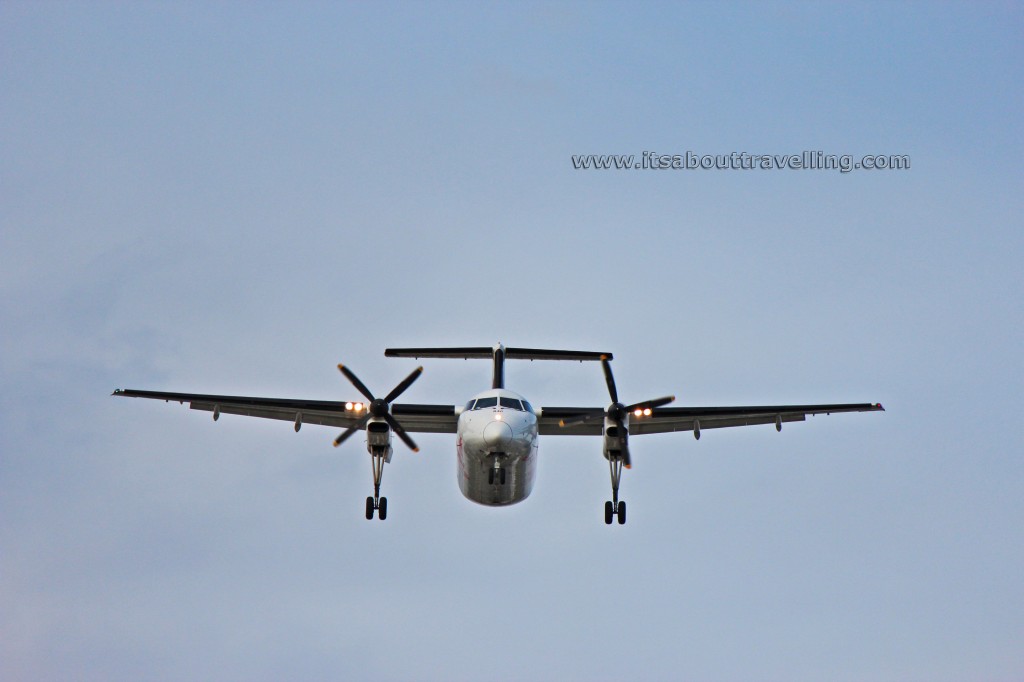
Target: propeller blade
360, 386
400, 432
651, 404
400, 388
344, 435
609, 379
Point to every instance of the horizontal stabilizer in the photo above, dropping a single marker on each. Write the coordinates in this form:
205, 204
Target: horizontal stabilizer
542, 354
486, 352
467, 352
497, 354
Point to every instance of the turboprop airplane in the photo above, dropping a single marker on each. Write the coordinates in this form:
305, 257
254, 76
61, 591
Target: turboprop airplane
496, 431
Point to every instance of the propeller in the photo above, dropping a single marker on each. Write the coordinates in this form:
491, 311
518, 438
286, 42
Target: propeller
618, 412
379, 407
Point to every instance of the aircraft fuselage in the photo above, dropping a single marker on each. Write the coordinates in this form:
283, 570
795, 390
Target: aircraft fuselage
497, 448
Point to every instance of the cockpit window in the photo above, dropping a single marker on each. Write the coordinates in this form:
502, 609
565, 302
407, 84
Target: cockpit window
511, 402
469, 406
485, 402
527, 406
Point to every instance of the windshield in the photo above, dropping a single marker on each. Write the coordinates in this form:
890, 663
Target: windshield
485, 402
511, 402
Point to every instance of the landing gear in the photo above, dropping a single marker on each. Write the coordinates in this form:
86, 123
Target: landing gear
377, 503
497, 472
615, 507
380, 506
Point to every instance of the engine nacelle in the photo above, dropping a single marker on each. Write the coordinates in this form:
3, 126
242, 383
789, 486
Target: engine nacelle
616, 440
378, 438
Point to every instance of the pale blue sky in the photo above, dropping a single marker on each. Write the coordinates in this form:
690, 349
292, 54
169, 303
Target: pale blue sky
234, 198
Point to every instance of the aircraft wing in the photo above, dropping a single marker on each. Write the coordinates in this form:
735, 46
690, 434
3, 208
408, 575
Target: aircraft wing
665, 419
414, 418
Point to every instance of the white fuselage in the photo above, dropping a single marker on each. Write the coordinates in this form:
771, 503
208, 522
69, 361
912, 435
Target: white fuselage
497, 448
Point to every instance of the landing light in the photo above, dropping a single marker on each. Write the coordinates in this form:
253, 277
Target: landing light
497, 416
357, 407
349, 406
638, 412
647, 412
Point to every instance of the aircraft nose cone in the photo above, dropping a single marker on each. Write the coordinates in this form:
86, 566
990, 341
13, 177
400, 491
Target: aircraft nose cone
497, 434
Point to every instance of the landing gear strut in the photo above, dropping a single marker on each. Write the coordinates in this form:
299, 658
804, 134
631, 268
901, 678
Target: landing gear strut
496, 472
615, 507
377, 503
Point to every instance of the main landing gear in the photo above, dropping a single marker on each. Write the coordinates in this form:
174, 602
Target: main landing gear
377, 503
615, 507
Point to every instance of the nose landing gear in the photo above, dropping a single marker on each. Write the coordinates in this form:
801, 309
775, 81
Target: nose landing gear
497, 472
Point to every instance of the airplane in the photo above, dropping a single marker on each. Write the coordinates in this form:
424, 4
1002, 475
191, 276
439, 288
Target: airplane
497, 430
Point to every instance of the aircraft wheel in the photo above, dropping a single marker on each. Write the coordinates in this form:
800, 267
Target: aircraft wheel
622, 513
501, 475
369, 508
490, 477
608, 512
382, 509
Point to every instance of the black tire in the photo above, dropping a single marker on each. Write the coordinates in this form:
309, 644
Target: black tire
608, 512
501, 476
622, 513
382, 509
369, 508
490, 477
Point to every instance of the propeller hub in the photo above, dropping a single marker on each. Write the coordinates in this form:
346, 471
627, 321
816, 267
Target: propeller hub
378, 408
